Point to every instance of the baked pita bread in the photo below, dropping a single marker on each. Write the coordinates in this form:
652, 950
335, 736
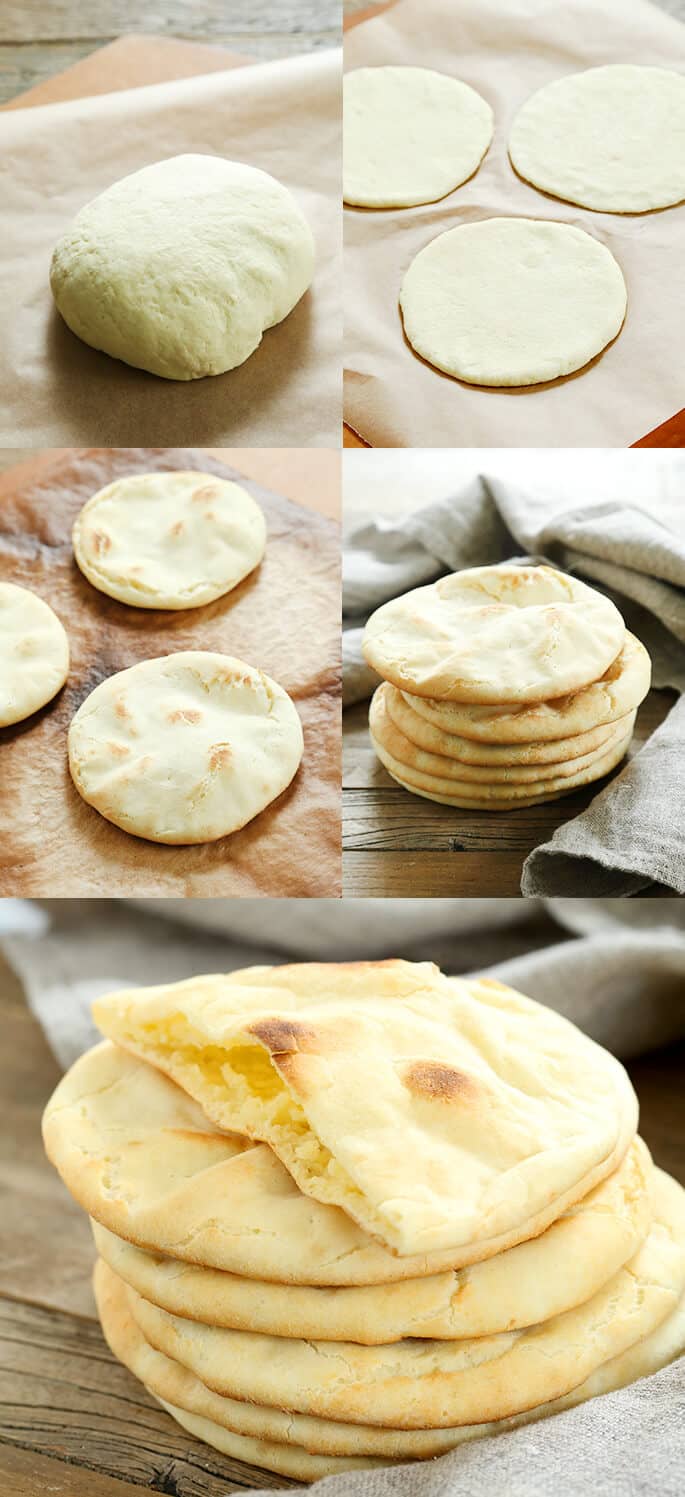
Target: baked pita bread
493, 761
440, 1113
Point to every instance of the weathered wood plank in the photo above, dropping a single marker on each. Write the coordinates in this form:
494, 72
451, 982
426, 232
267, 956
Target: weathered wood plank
24, 1473
412, 874
63, 1394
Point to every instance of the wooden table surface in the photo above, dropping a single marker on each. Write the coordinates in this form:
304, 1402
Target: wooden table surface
73, 1423
42, 37
399, 845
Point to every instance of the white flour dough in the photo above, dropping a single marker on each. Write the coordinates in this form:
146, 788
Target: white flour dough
612, 138
180, 268
410, 135
512, 301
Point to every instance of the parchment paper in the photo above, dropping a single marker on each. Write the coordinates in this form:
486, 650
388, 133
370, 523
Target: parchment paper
284, 618
282, 116
506, 49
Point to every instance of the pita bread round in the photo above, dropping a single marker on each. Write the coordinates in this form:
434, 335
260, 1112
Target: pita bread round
620, 690
169, 540
410, 135
417, 1384
610, 138
488, 756
386, 1088
495, 634
512, 301
185, 748
534, 1281
474, 793
143, 1159
406, 751
170, 1381
34, 653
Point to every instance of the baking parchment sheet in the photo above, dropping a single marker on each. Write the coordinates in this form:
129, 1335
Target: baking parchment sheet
281, 116
284, 618
506, 49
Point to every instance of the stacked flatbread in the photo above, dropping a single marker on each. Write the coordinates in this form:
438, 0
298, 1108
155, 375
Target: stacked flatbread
503, 686
355, 1214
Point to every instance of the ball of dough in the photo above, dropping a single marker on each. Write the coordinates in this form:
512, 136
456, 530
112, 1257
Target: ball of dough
169, 540
180, 268
185, 748
612, 138
410, 135
512, 301
34, 653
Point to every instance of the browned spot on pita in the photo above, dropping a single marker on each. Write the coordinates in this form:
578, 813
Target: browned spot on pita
220, 756
282, 1037
441, 1083
120, 708
178, 528
205, 492
100, 541
185, 715
118, 750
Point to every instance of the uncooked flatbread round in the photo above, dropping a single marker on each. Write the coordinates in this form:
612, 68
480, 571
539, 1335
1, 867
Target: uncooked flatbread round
34, 653
169, 540
410, 135
611, 138
512, 301
495, 634
181, 267
184, 748
621, 689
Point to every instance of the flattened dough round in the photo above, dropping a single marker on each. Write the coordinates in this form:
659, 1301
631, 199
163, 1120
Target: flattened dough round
410, 135
611, 138
619, 691
181, 267
495, 634
184, 748
561, 1268
169, 540
490, 758
34, 653
512, 301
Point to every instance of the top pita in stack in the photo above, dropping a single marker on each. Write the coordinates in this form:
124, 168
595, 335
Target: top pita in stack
358, 1213
503, 686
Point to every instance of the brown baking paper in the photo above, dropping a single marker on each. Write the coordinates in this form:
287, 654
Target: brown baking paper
281, 116
284, 618
506, 49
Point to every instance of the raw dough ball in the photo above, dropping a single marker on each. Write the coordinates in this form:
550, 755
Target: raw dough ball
184, 748
410, 135
612, 138
169, 540
34, 653
512, 301
182, 266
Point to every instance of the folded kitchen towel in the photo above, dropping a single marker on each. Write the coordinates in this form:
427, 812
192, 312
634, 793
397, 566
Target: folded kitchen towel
633, 833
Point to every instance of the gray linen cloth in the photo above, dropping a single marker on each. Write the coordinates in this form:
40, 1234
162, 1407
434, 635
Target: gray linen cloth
616, 968
632, 835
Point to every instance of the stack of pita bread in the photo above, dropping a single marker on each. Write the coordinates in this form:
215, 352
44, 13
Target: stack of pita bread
354, 1214
503, 686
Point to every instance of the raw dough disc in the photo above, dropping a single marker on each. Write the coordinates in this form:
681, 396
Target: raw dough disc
169, 540
512, 301
410, 135
34, 653
612, 138
184, 748
181, 267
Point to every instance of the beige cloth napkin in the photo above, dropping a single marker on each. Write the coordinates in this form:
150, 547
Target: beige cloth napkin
283, 117
506, 49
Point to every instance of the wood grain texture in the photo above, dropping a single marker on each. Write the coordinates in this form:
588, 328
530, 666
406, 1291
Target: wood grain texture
38, 40
396, 844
